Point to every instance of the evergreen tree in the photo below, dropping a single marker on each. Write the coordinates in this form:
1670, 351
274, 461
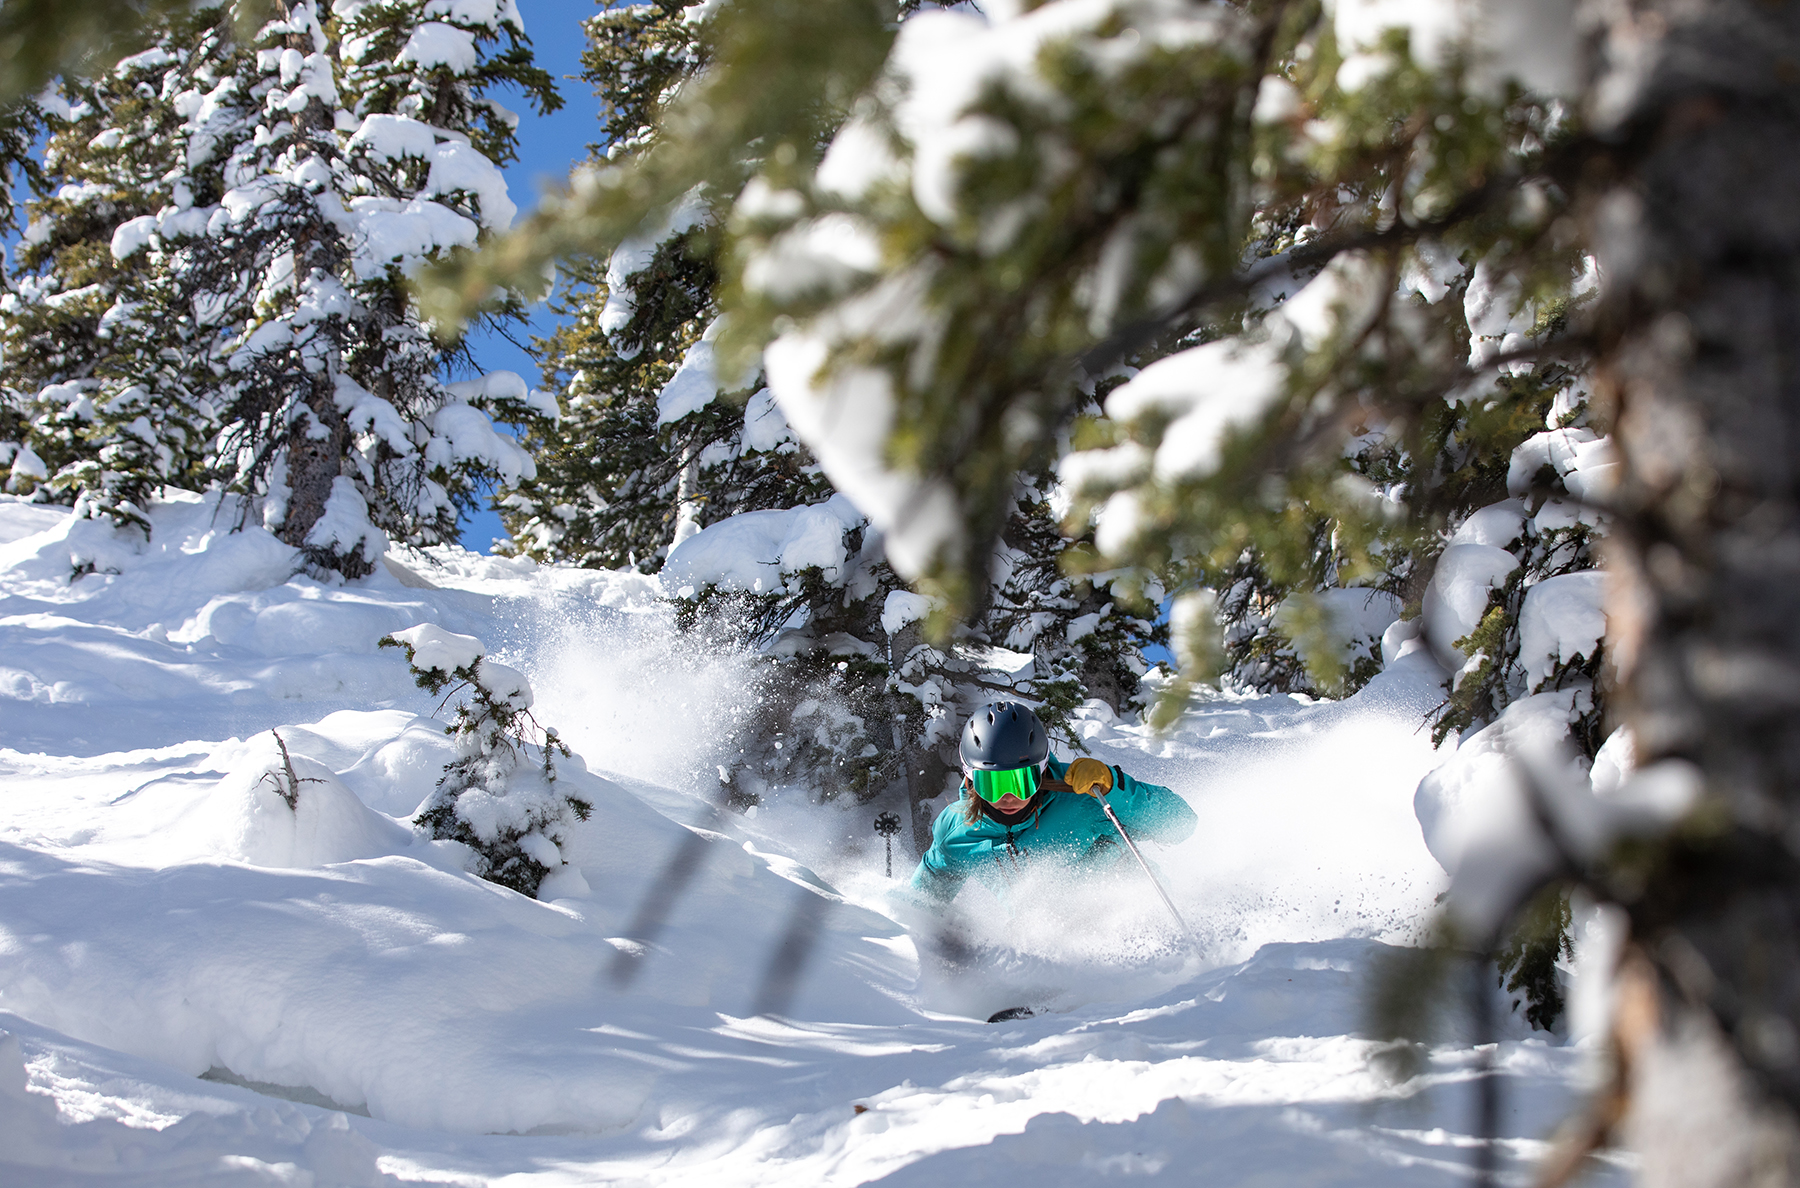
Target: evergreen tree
626, 472
66, 321
266, 339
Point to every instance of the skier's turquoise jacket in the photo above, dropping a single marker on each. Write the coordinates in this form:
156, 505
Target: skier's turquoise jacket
1063, 828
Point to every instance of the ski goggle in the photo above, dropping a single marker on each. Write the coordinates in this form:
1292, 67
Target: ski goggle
991, 786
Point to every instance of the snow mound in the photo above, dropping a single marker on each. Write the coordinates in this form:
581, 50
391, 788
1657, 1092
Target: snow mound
109, 641
351, 979
1354, 619
193, 536
1458, 595
246, 817
758, 551
1563, 618
24, 519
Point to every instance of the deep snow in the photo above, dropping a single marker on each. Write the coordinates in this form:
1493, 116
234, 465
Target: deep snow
199, 985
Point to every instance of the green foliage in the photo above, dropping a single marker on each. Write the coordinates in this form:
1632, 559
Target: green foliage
1527, 961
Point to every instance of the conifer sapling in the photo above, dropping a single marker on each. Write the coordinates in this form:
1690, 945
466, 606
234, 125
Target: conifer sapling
507, 810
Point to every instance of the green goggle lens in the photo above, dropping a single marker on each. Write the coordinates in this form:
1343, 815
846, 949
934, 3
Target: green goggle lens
992, 785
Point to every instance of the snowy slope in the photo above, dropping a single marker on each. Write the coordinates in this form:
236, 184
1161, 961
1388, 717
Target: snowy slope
196, 982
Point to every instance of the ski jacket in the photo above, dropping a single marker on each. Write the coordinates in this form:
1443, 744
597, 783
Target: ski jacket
1065, 828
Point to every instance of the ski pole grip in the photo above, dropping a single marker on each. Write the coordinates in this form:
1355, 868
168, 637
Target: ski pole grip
1090, 777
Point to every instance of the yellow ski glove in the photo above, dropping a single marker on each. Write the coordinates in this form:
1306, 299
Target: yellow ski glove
1090, 777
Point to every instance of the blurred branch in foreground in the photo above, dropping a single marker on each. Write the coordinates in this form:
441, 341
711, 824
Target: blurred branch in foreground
40, 39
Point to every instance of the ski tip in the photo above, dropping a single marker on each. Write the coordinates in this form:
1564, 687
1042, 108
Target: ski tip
1011, 1013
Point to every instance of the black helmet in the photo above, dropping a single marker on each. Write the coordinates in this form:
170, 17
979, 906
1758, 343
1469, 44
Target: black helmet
1003, 735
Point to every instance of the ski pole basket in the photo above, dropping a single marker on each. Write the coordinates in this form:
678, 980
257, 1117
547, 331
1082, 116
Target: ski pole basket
887, 825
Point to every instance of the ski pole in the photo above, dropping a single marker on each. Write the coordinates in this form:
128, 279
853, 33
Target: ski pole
887, 825
1084, 780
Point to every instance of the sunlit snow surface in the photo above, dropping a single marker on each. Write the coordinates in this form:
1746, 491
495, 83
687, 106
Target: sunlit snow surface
164, 916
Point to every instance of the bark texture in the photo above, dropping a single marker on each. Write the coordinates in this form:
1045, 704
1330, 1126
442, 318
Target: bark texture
1696, 219
317, 446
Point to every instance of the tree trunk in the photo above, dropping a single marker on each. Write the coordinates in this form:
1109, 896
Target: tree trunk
687, 496
1696, 220
317, 446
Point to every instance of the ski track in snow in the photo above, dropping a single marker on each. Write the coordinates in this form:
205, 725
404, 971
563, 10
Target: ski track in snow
200, 986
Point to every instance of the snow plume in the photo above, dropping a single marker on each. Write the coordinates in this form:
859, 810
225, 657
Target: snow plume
1034, 948
1346, 859
658, 711
636, 698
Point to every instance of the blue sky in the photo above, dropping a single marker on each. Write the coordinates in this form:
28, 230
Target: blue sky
548, 147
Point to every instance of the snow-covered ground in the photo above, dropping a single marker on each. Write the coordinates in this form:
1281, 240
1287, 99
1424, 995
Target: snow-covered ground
199, 985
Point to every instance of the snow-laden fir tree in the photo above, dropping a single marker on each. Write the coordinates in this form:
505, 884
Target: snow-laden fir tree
499, 795
268, 341
657, 444
111, 146
641, 459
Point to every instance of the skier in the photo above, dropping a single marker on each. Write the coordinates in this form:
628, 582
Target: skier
1017, 808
